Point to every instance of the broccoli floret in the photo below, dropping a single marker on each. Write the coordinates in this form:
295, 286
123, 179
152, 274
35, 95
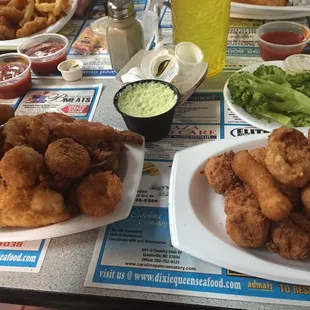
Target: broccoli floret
271, 73
267, 99
300, 82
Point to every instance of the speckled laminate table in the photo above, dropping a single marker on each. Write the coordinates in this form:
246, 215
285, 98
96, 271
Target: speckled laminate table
60, 282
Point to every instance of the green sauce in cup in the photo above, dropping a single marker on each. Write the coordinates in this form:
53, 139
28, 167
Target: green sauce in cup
147, 99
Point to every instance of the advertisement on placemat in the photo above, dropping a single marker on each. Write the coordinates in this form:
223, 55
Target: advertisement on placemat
24, 256
77, 102
136, 253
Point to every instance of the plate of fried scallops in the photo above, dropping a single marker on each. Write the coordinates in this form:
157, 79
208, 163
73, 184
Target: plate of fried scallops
244, 204
61, 175
23, 18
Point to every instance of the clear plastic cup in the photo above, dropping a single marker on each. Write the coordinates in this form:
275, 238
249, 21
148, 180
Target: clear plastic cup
39, 48
278, 40
149, 23
15, 77
99, 28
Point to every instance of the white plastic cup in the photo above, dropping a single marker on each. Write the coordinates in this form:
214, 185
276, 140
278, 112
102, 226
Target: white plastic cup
149, 23
189, 56
71, 70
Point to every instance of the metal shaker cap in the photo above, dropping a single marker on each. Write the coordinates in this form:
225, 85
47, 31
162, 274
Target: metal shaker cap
121, 9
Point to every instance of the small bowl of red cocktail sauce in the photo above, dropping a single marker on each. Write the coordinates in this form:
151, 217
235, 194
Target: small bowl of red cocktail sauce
46, 52
15, 77
278, 40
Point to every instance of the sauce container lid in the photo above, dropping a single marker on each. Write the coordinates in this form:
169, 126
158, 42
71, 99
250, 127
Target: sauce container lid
121, 9
297, 63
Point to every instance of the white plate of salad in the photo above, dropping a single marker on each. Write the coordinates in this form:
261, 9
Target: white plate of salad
265, 96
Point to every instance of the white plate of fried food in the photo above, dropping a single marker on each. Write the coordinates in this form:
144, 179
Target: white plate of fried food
61, 176
23, 18
265, 9
244, 204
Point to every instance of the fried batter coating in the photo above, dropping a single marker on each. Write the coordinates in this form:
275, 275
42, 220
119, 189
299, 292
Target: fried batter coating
219, 172
27, 130
7, 33
28, 207
17, 4
259, 155
272, 202
288, 157
11, 14
66, 158
34, 26
53, 118
301, 221
245, 223
6, 112
99, 193
305, 198
289, 240
84, 132
21, 166
130, 137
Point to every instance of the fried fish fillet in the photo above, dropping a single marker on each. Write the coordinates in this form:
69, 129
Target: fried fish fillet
31, 207
11, 14
34, 26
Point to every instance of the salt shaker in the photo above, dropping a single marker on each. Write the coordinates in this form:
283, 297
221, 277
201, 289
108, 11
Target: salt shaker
124, 33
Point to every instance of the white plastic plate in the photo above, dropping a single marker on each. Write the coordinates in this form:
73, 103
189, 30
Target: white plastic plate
11, 45
271, 15
197, 219
265, 10
130, 172
244, 115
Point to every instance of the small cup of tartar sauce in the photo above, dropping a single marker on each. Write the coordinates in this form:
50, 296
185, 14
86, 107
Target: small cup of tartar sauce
71, 70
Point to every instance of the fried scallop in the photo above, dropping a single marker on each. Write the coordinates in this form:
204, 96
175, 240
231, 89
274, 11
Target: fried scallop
67, 158
99, 193
288, 157
21, 166
219, 172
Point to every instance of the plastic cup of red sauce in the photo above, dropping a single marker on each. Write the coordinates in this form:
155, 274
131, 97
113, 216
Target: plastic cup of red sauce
15, 76
278, 40
46, 52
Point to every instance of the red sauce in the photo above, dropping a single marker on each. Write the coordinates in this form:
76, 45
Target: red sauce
17, 87
49, 65
268, 52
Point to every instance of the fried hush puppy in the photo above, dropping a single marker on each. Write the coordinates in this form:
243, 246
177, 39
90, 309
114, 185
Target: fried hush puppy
273, 203
245, 223
21, 166
289, 240
219, 172
6, 112
28, 207
99, 193
288, 157
67, 158
27, 130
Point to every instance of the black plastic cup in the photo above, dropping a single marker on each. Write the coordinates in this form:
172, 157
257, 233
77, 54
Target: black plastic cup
153, 128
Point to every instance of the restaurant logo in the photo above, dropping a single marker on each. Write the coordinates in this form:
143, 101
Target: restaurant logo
243, 131
190, 131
